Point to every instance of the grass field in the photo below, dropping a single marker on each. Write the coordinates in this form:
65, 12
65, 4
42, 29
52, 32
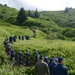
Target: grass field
40, 43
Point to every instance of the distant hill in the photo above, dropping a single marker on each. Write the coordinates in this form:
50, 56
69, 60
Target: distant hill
8, 14
62, 18
56, 24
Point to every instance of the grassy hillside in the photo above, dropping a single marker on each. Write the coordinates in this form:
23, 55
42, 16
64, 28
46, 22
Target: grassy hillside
56, 24
50, 27
62, 18
41, 44
8, 14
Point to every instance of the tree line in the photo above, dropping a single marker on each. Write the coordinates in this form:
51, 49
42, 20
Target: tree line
22, 15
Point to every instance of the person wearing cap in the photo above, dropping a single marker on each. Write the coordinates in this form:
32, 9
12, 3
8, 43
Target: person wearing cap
19, 37
11, 55
22, 37
46, 59
41, 68
20, 58
14, 38
52, 64
8, 48
10, 39
27, 58
60, 69
36, 57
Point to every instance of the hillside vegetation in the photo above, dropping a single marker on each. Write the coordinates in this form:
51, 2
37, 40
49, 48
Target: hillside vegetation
41, 44
55, 36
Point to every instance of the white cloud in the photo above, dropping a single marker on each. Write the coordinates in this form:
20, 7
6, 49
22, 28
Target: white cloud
40, 4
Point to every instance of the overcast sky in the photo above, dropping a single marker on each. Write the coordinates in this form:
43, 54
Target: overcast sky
40, 4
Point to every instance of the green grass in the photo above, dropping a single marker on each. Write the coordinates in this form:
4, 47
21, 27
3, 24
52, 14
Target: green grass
40, 43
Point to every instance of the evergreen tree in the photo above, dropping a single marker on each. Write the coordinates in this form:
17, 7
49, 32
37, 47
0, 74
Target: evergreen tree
36, 14
22, 17
29, 13
66, 10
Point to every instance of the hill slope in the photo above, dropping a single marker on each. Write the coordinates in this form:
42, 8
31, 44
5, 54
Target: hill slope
62, 18
50, 25
41, 44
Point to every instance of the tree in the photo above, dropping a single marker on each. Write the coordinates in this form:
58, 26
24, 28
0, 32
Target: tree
66, 10
5, 5
22, 17
29, 13
36, 14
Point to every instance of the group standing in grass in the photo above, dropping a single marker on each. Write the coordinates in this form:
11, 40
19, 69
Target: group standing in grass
43, 66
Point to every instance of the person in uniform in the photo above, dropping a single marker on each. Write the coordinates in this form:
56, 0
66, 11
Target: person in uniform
41, 68
27, 37
19, 37
10, 39
8, 48
27, 58
22, 37
36, 57
15, 38
20, 58
5, 42
11, 55
46, 59
52, 65
60, 69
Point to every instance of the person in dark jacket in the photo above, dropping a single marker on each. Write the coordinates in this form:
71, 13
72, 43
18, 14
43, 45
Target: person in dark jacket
22, 37
36, 57
11, 55
15, 38
52, 65
27, 58
20, 58
19, 37
10, 39
27, 37
46, 59
6, 41
60, 69
8, 48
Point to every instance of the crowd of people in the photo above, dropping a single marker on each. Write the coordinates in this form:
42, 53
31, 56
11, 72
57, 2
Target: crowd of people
12, 54
54, 67
42, 64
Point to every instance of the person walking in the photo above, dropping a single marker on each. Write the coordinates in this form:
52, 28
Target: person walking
60, 69
27, 58
20, 58
36, 57
41, 68
52, 65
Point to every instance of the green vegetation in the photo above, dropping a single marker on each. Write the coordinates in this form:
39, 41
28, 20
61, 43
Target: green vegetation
22, 16
55, 36
36, 14
41, 44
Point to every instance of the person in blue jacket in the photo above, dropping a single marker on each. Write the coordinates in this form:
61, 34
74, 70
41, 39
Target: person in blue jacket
22, 37
46, 59
27, 58
52, 64
60, 69
11, 55
14, 38
10, 39
20, 58
36, 57
19, 37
